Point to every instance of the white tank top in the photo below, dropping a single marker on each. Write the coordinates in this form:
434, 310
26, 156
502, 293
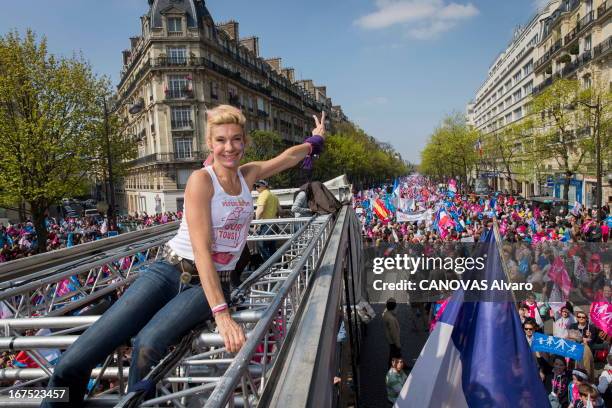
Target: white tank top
231, 218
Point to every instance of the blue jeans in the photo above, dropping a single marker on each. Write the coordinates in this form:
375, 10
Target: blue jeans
266, 248
153, 309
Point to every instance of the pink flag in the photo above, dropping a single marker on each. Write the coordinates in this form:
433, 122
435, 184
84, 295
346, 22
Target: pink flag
558, 274
601, 316
63, 287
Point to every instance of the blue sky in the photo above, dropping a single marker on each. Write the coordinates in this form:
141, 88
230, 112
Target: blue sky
396, 66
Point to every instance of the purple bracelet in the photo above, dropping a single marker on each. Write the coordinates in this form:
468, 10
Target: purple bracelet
316, 148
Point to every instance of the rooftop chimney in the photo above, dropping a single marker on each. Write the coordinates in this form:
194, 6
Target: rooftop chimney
275, 63
289, 73
252, 44
231, 28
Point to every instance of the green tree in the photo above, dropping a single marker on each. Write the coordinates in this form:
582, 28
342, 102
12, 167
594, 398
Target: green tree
556, 120
48, 116
265, 145
361, 157
450, 151
595, 110
505, 148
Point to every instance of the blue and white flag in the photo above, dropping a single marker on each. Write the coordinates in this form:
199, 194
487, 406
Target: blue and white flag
557, 345
477, 355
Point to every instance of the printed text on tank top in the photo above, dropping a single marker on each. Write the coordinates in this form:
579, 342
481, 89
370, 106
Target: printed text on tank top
231, 229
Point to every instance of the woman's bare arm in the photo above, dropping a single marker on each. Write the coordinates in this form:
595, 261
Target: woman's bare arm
198, 195
287, 159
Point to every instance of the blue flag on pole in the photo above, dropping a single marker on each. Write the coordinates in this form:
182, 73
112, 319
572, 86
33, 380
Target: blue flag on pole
477, 355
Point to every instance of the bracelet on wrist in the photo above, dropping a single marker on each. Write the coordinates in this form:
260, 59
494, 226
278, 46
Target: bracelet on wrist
219, 308
316, 147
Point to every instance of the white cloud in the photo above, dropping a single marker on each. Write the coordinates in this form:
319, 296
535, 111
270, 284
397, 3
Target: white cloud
430, 31
423, 18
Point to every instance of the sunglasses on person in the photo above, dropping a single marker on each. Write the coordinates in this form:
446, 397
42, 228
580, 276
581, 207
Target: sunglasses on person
581, 317
528, 328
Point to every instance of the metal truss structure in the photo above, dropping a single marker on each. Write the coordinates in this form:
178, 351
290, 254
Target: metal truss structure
204, 373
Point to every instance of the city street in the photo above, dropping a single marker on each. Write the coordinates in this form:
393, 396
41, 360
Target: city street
373, 366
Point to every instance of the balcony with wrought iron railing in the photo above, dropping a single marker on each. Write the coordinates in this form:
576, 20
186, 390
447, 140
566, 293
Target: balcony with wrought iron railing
567, 70
566, 8
571, 36
586, 20
602, 48
603, 9
548, 54
181, 124
167, 158
185, 93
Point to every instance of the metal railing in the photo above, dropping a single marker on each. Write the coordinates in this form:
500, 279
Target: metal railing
179, 93
166, 158
601, 10
98, 271
267, 312
336, 287
602, 48
586, 20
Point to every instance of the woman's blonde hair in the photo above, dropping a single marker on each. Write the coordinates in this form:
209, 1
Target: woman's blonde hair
225, 115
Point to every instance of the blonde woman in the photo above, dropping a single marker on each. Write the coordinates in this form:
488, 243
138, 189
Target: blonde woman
191, 284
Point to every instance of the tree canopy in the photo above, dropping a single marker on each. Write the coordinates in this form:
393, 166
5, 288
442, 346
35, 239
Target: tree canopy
451, 150
49, 120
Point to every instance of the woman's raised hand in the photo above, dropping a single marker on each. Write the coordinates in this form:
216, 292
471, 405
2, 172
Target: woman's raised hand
319, 125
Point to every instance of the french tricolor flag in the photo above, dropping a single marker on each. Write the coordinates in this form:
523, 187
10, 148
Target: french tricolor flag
477, 355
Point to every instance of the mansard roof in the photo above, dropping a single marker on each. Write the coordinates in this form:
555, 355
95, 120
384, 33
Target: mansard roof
195, 11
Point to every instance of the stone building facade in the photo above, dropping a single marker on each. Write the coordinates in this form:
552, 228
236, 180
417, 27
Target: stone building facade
576, 43
565, 39
184, 63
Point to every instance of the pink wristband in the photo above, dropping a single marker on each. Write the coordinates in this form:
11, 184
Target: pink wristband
219, 308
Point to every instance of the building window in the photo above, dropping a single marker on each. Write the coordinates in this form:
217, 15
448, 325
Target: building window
214, 90
183, 148
528, 68
517, 77
260, 104
518, 113
587, 43
178, 86
517, 96
175, 25
182, 175
177, 55
586, 81
181, 117
528, 88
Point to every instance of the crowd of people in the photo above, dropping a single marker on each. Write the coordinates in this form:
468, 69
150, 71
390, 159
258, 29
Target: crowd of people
19, 240
561, 252
417, 210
